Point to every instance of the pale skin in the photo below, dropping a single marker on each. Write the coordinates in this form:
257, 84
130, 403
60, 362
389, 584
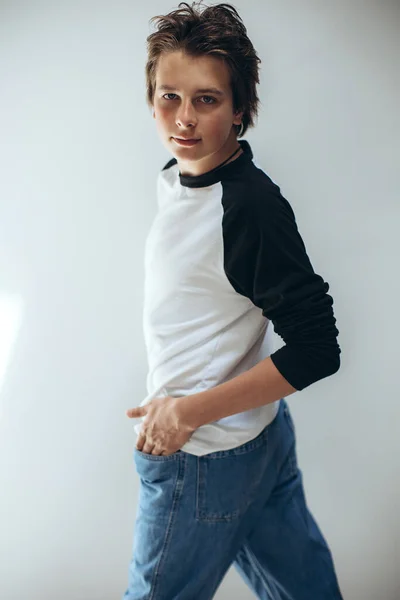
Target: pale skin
181, 112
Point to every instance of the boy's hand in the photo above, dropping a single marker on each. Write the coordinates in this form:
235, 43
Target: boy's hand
164, 429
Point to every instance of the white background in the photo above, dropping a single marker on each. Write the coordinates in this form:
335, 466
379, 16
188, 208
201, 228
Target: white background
79, 155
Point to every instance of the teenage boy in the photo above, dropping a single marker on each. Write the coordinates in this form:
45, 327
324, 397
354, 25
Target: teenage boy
224, 262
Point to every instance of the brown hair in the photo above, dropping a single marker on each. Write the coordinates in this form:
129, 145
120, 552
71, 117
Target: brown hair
217, 31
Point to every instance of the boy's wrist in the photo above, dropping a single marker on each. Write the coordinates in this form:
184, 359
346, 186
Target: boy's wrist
187, 411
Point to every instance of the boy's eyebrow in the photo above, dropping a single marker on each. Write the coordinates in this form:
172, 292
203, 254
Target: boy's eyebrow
211, 90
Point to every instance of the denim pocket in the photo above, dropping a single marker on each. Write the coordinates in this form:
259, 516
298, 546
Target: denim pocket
157, 471
227, 481
156, 457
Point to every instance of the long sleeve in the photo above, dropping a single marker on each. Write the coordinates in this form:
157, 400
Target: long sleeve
266, 260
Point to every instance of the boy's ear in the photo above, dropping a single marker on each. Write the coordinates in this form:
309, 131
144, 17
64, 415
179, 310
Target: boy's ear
238, 118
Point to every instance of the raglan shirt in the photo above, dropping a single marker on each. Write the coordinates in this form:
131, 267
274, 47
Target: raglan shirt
223, 260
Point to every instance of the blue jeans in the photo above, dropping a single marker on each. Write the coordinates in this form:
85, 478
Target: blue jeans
198, 515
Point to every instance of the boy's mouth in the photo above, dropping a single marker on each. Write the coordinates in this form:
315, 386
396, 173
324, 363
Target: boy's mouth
182, 142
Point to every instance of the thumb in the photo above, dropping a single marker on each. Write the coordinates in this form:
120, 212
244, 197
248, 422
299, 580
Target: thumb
135, 413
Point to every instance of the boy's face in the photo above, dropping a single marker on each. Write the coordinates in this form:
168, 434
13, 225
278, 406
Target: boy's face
182, 111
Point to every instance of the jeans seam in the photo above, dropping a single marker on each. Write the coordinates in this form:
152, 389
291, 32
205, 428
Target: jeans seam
177, 494
292, 450
258, 569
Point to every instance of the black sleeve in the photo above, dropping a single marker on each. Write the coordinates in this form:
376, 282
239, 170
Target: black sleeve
266, 260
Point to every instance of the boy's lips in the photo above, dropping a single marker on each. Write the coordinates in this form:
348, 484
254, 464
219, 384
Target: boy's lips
186, 139
186, 142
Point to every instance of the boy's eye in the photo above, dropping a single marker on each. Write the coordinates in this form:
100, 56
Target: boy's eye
208, 97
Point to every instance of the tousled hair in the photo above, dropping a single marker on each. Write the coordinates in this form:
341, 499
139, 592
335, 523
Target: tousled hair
216, 31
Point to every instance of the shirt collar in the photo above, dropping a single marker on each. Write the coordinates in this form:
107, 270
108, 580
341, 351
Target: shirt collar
217, 174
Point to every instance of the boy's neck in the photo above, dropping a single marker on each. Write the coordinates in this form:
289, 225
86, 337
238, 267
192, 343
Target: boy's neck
191, 171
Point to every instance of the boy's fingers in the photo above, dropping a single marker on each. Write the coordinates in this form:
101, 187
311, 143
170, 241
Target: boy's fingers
139, 411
